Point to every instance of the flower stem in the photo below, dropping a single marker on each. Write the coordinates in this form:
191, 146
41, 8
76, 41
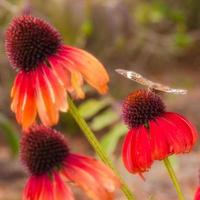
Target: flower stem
173, 178
96, 145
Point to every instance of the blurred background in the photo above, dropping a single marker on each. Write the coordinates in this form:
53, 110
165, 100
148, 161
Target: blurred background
157, 38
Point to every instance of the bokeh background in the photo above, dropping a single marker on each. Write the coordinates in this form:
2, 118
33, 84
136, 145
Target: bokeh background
157, 38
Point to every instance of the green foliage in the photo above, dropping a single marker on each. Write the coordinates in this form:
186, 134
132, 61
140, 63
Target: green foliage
10, 133
104, 118
92, 106
110, 140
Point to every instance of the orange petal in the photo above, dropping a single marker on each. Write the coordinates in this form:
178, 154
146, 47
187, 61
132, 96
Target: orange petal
21, 98
46, 106
29, 108
15, 90
97, 183
91, 69
16, 84
57, 90
77, 82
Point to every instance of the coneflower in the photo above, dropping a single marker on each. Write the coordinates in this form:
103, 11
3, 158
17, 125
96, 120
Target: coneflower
52, 167
46, 70
154, 134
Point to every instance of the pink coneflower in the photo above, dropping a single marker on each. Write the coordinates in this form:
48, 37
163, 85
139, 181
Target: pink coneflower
53, 167
46, 70
154, 134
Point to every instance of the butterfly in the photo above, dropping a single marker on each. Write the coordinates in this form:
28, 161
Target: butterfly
150, 84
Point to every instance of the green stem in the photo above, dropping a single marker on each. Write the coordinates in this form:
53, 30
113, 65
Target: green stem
97, 147
173, 178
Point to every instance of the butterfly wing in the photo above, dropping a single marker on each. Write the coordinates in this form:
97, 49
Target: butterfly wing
150, 84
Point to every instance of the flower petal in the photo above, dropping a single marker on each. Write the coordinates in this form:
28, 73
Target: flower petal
100, 171
187, 129
57, 90
136, 150
176, 141
46, 107
91, 69
159, 141
29, 110
23, 99
38, 188
96, 179
60, 190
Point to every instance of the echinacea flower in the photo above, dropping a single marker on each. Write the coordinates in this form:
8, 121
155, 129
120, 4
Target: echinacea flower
46, 70
53, 167
154, 134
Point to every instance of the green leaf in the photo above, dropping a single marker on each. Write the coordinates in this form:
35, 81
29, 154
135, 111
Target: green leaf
10, 133
92, 106
104, 119
110, 140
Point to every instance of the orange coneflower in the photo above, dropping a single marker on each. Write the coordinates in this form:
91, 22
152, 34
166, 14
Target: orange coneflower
53, 167
46, 70
154, 133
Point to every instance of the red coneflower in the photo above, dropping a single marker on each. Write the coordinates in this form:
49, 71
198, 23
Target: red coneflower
51, 165
46, 69
154, 133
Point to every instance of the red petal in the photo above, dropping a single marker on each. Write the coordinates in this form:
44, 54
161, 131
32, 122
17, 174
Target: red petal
61, 73
159, 141
60, 190
187, 129
38, 188
137, 150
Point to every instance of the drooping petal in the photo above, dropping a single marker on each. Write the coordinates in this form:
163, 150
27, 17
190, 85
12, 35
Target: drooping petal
38, 188
159, 141
136, 151
23, 102
29, 110
70, 77
187, 129
60, 190
172, 134
62, 74
77, 82
57, 90
91, 69
96, 179
177, 132
15, 92
46, 105
17, 83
